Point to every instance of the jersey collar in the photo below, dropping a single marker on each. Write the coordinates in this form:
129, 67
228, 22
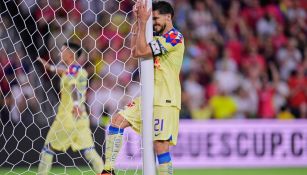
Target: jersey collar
73, 69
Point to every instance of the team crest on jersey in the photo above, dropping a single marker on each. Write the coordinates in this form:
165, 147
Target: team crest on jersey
73, 70
157, 62
131, 104
173, 37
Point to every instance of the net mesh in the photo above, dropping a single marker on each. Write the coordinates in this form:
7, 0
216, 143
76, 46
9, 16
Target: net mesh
30, 96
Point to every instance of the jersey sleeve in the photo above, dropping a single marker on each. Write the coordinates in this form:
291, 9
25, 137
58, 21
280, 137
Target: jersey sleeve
161, 45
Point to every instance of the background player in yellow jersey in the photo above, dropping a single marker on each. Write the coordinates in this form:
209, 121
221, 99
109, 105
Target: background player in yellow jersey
167, 48
71, 127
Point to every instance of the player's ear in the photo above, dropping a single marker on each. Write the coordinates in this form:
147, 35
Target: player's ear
169, 17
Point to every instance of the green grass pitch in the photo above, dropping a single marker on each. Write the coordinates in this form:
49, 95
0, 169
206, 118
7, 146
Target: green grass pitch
87, 171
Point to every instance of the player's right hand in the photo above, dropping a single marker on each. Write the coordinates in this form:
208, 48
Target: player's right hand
42, 61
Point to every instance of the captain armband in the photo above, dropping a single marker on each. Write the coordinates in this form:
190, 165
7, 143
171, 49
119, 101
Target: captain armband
156, 48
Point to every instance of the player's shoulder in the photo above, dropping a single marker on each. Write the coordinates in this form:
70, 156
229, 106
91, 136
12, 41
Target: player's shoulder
174, 32
173, 37
83, 72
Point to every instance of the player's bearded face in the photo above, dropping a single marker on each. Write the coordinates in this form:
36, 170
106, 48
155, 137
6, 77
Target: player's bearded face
159, 28
159, 22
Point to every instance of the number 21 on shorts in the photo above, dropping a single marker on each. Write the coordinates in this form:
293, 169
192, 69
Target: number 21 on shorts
159, 125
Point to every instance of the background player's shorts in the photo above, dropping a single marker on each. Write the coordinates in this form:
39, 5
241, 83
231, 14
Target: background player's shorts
166, 120
61, 138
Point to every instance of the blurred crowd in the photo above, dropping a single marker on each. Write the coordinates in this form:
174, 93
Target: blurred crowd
243, 58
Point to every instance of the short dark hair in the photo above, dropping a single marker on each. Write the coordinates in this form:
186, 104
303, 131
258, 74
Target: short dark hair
75, 47
163, 7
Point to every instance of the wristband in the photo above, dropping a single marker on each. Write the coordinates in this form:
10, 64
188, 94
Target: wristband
52, 68
76, 103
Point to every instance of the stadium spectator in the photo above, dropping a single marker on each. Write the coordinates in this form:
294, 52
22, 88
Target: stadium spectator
266, 94
295, 11
222, 105
201, 20
266, 26
243, 102
285, 113
289, 58
298, 93
194, 91
226, 74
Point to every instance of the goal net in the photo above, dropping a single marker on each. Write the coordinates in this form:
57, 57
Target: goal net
30, 95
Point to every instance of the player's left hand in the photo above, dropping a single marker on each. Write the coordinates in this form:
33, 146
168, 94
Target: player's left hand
142, 12
77, 111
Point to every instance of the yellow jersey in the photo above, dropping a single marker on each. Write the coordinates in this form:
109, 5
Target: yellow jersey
75, 76
168, 50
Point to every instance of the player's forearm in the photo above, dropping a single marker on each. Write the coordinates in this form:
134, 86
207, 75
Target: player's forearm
51, 68
134, 34
275, 74
60, 71
57, 70
142, 48
46, 65
141, 38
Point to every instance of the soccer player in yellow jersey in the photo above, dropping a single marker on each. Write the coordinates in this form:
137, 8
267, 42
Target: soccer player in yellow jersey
167, 48
71, 127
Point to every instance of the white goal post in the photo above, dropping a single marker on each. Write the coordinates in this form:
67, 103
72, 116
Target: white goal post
30, 95
147, 82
